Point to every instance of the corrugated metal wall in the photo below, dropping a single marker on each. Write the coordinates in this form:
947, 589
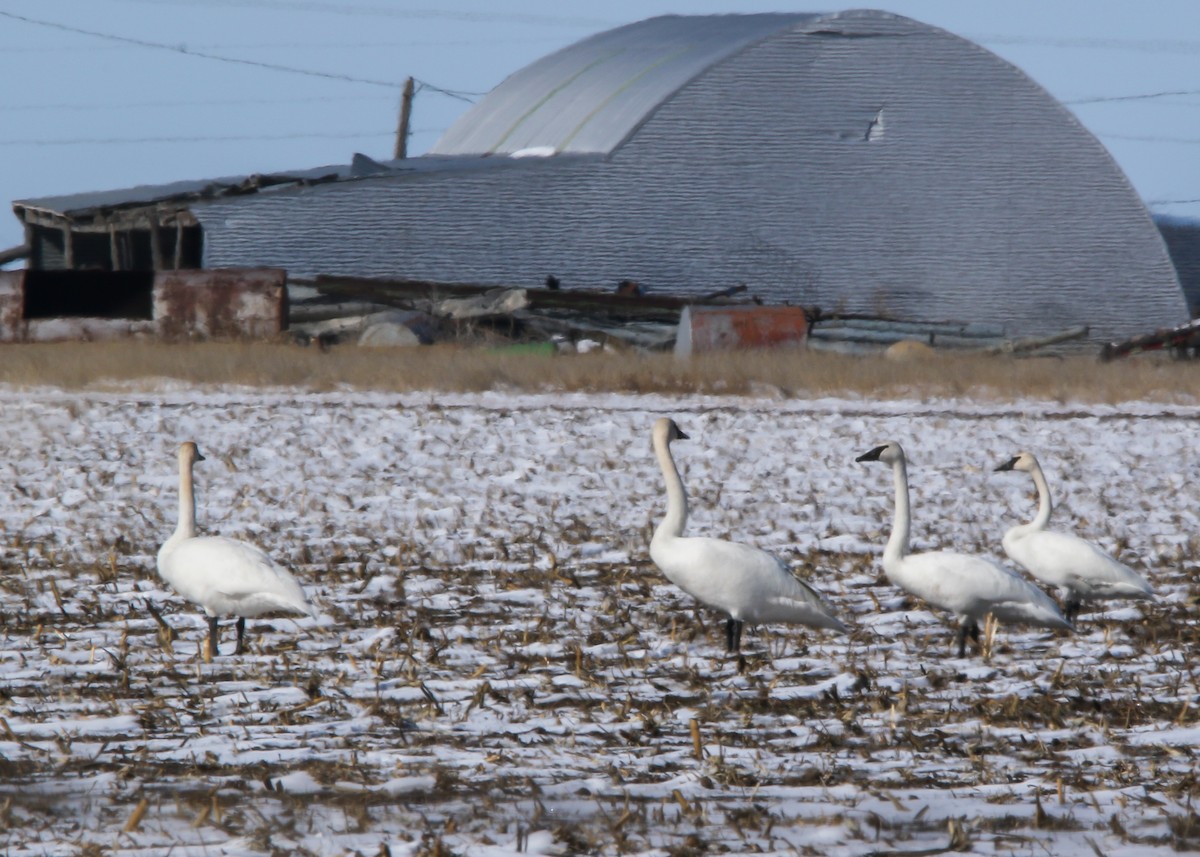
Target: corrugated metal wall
886, 167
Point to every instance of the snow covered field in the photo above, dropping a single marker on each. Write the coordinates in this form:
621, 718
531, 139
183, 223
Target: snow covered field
498, 668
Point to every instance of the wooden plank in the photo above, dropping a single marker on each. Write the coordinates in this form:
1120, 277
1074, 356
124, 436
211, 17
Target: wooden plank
114, 248
156, 254
403, 293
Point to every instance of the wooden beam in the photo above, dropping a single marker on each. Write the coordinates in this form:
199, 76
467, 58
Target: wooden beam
156, 253
114, 248
21, 251
68, 249
178, 245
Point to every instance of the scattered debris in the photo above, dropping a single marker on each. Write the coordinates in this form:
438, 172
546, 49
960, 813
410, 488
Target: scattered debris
491, 315
1182, 341
340, 308
865, 335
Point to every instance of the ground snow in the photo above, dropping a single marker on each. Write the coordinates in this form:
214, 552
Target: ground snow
498, 668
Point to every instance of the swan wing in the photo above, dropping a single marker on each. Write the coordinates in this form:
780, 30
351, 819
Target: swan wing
225, 576
1069, 562
749, 584
973, 586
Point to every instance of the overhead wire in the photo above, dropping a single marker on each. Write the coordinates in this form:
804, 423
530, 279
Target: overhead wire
360, 10
183, 49
212, 138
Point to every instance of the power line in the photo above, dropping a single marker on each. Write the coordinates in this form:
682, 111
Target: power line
1100, 99
1139, 138
453, 93
1157, 46
225, 138
183, 49
389, 12
190, 104
308, 46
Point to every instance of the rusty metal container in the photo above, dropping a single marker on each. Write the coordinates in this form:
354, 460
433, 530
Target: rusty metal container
703, 329
234, 303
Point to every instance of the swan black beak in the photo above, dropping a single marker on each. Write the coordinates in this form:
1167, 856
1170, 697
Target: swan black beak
873, 455
679, 435
1008, 465
200, 457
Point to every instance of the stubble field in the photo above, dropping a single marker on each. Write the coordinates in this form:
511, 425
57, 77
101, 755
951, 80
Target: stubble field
498, 668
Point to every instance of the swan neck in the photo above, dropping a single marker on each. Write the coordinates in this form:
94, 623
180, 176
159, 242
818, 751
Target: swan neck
674, 521
1045, 505
897, 546
186, 528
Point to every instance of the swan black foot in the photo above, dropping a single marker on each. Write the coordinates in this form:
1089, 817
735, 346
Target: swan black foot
1071, 608
733, 635
241, 634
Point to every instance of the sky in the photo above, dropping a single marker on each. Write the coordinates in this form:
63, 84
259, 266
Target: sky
104, 94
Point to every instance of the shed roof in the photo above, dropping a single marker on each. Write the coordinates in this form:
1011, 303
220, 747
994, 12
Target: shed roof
590, 96
206, 189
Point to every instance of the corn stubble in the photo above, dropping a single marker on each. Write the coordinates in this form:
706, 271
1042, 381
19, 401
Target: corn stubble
447, 702
602, 668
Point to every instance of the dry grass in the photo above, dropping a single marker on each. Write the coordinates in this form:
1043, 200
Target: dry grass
453, 368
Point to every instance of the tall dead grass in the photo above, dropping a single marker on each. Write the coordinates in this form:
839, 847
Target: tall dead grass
125, 365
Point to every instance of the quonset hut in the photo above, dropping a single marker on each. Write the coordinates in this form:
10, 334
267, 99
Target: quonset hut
858, 161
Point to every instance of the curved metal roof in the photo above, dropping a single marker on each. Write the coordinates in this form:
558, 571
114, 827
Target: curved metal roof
590, 96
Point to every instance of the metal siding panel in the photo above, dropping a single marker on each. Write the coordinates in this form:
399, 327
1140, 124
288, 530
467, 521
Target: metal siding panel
591, 96
983, 199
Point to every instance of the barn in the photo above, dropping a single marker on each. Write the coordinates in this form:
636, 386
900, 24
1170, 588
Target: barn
858, 161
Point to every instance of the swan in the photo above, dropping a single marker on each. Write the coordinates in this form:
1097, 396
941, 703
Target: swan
1080, 570
968, 586
224, 576
748, 584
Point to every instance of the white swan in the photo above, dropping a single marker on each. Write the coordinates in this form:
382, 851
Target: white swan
969, 586
224, 576
1080, 570
748, 584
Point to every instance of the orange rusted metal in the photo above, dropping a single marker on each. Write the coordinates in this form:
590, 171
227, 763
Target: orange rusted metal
233, 303
12, 306
704, 329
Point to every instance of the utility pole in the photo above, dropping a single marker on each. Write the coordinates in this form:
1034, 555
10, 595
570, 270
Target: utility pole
405, 111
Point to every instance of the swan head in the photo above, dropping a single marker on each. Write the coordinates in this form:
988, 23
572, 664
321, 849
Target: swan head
888, 453
189, 453
665, 431
1022, 461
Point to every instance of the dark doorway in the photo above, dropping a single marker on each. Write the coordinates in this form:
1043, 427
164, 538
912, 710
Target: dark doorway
89, 294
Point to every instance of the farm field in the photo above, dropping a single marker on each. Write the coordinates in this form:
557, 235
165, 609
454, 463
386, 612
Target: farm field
498, 668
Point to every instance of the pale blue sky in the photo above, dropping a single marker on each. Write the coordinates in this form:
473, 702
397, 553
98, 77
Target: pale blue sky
193, 89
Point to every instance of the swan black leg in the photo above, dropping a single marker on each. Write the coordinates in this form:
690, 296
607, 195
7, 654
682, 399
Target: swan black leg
967, 628
241, 632
1071, 607
211, 650
733, 634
